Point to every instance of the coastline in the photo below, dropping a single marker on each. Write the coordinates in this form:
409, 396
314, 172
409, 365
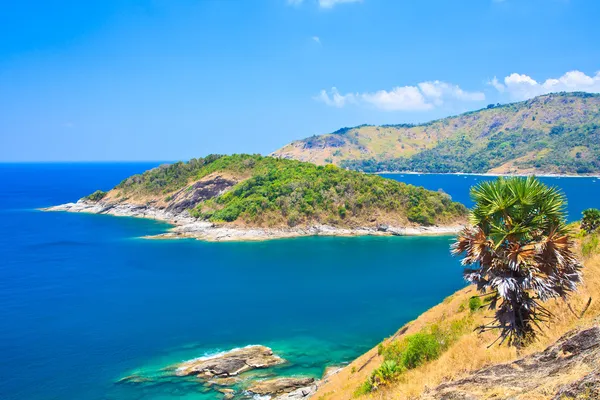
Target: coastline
545, 175
187, 227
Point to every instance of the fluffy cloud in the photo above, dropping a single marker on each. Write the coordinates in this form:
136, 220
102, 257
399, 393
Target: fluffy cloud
422, 97
316, 39
521, 87
334, 98
324, 3
406, 98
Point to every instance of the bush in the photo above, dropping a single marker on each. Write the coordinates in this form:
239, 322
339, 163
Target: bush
96, 196
475, 303
421, 347
365, 388
591, 220
385, 374
414, 350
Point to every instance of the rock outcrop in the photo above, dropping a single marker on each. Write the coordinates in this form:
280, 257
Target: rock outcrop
300, 393
574, 358
280, 385
231, 363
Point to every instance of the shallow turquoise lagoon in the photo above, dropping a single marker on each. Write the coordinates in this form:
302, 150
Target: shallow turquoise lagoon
84, 302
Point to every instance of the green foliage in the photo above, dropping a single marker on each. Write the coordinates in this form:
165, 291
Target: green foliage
96, 196
591, 220
302, 191
475, 303
292, 191
414, 350
386, 373
365, 388
420, 348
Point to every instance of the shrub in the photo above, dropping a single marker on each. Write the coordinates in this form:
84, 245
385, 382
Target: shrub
385, 374
475, 303
96, 196
414, 350
363, 389
591, 220
420, 348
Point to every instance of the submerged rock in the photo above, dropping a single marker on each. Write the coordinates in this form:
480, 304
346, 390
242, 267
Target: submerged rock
230, 363
227, 393
134, 378
279, 385
229, 381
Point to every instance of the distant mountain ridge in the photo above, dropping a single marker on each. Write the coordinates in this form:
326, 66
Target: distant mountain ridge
556, 133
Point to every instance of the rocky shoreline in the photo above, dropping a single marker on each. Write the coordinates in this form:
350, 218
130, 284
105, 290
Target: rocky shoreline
227, 374
186, 226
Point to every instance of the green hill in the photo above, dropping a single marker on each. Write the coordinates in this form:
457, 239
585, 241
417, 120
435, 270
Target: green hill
554, 133
252, 190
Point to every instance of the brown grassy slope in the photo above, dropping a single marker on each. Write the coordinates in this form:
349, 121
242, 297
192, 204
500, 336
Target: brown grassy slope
470, 352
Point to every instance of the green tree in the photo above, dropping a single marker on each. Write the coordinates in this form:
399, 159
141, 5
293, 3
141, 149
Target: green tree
591, 220
520, 250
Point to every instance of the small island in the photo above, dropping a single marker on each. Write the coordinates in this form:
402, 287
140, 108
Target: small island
252, 197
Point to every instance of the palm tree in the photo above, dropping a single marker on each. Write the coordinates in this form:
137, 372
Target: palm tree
519, 249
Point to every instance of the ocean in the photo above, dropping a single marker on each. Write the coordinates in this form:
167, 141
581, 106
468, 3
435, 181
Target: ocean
85, 302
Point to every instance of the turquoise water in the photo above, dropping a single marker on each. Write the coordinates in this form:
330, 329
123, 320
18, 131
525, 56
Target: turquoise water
84, 302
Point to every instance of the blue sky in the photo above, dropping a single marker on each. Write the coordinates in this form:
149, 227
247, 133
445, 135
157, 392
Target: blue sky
175, 79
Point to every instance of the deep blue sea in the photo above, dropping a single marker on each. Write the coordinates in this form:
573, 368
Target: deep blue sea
85, 302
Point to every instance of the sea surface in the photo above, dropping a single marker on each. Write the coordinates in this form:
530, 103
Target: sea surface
84, 301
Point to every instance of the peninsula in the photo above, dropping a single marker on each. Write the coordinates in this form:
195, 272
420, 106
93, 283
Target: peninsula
251, 197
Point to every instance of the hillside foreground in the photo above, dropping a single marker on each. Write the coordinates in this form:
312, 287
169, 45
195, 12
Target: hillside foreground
564, 363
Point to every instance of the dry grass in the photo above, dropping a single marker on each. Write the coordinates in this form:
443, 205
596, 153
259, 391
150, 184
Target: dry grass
470, 352
140, 198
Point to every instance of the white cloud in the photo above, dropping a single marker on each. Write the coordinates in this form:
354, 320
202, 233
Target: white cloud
316, 39
334, 98
324, 3
406, 98
422, 97
499, 86
522, 87
439, 91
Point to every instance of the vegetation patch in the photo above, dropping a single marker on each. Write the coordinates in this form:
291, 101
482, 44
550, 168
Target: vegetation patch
96, 196
591, 220
413, 351
272, 190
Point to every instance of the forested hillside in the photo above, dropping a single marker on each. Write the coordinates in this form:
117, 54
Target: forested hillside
554, 133
264, 191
